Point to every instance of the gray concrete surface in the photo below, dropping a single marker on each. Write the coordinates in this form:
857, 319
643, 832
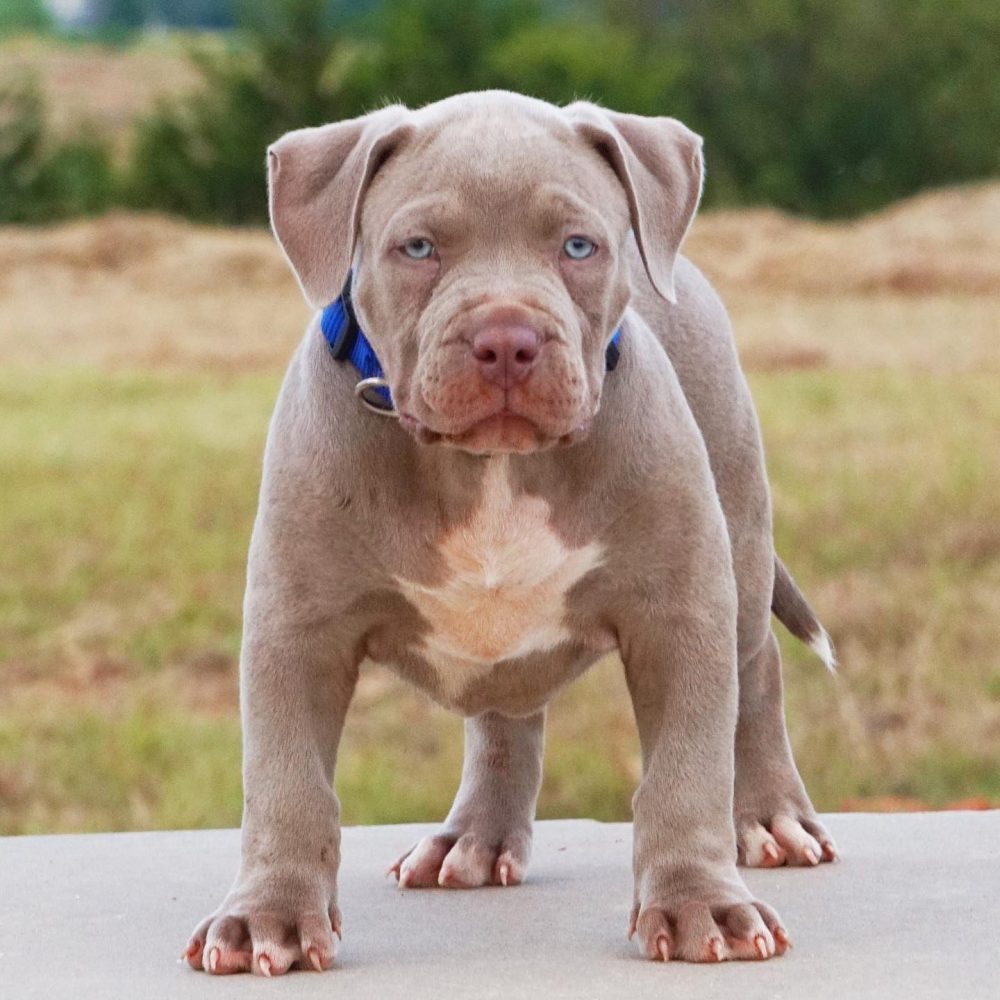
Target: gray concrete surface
913, 911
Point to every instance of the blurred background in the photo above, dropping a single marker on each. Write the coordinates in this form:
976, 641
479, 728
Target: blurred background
851, 221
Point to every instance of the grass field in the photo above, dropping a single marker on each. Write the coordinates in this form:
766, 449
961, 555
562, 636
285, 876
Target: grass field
139, 360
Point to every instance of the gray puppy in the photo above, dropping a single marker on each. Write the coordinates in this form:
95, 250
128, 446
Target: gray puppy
529, 511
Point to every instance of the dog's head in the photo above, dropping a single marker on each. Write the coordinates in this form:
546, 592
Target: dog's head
488, 235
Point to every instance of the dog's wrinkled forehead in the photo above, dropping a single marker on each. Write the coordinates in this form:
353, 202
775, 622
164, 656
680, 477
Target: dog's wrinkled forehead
505, 163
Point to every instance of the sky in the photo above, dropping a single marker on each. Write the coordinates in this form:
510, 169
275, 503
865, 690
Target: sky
66, 10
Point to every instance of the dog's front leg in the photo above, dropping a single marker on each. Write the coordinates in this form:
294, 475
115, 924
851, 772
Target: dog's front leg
282, 909
690, 903
486, 838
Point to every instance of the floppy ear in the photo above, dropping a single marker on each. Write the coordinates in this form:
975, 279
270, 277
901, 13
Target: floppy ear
316, 181
659, 163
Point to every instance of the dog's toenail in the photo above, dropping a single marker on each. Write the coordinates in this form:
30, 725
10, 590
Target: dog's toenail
213, 959
315, 960
265, 965
663, 947
761, 945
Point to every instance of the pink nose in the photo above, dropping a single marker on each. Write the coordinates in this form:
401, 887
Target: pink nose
506, 353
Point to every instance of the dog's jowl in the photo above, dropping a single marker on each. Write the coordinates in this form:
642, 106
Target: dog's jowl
515, 438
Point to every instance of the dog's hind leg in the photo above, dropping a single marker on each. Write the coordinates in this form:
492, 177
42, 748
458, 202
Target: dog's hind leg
486, 839
775, 821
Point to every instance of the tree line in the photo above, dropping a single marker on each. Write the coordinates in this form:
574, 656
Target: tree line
820, 107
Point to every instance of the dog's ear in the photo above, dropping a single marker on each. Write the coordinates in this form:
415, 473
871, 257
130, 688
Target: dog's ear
317, 178
659, 163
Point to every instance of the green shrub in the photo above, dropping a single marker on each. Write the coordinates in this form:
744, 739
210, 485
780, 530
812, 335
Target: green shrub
18, 16
816, 107
203, 157
604, 62
835, 108
420, 51
292, 64
39, 183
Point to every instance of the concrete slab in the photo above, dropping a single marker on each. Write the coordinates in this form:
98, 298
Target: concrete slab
913, 911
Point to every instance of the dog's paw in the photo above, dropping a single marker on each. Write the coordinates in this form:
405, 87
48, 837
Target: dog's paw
694, 930
792, 837
264, 936
464, 862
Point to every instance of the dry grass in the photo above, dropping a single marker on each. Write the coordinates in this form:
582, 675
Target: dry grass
142, 292
944, 243
915, 286
140, 357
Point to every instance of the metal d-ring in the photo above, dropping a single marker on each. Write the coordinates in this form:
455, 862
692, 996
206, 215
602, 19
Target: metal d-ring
367, 391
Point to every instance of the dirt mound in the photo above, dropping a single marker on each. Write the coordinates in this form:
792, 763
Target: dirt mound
941, 242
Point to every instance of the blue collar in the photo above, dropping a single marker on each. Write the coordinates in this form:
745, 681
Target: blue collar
348, 342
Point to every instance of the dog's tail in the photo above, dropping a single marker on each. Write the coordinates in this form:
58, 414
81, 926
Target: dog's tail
794, 613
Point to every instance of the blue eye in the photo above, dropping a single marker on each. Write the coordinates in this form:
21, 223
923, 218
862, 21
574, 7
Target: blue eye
579, 248
418, 249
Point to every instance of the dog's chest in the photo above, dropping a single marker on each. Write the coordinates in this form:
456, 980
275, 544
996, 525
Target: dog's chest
503, 591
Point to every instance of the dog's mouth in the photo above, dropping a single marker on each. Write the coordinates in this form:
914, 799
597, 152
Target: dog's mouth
459, 406
504, 431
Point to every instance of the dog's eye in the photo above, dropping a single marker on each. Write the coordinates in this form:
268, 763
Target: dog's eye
579, 248
418, 249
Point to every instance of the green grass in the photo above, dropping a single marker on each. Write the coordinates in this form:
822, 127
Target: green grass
125, 512
125, 517
144, 765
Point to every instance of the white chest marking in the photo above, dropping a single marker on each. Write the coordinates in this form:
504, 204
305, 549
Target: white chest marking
507, 575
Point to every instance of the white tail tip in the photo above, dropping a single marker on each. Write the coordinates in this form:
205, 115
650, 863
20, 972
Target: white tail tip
820, 644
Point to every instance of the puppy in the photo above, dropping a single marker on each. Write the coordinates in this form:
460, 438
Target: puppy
515, 438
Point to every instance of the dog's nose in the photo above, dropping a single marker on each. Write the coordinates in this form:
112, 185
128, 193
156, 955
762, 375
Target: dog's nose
506, 353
